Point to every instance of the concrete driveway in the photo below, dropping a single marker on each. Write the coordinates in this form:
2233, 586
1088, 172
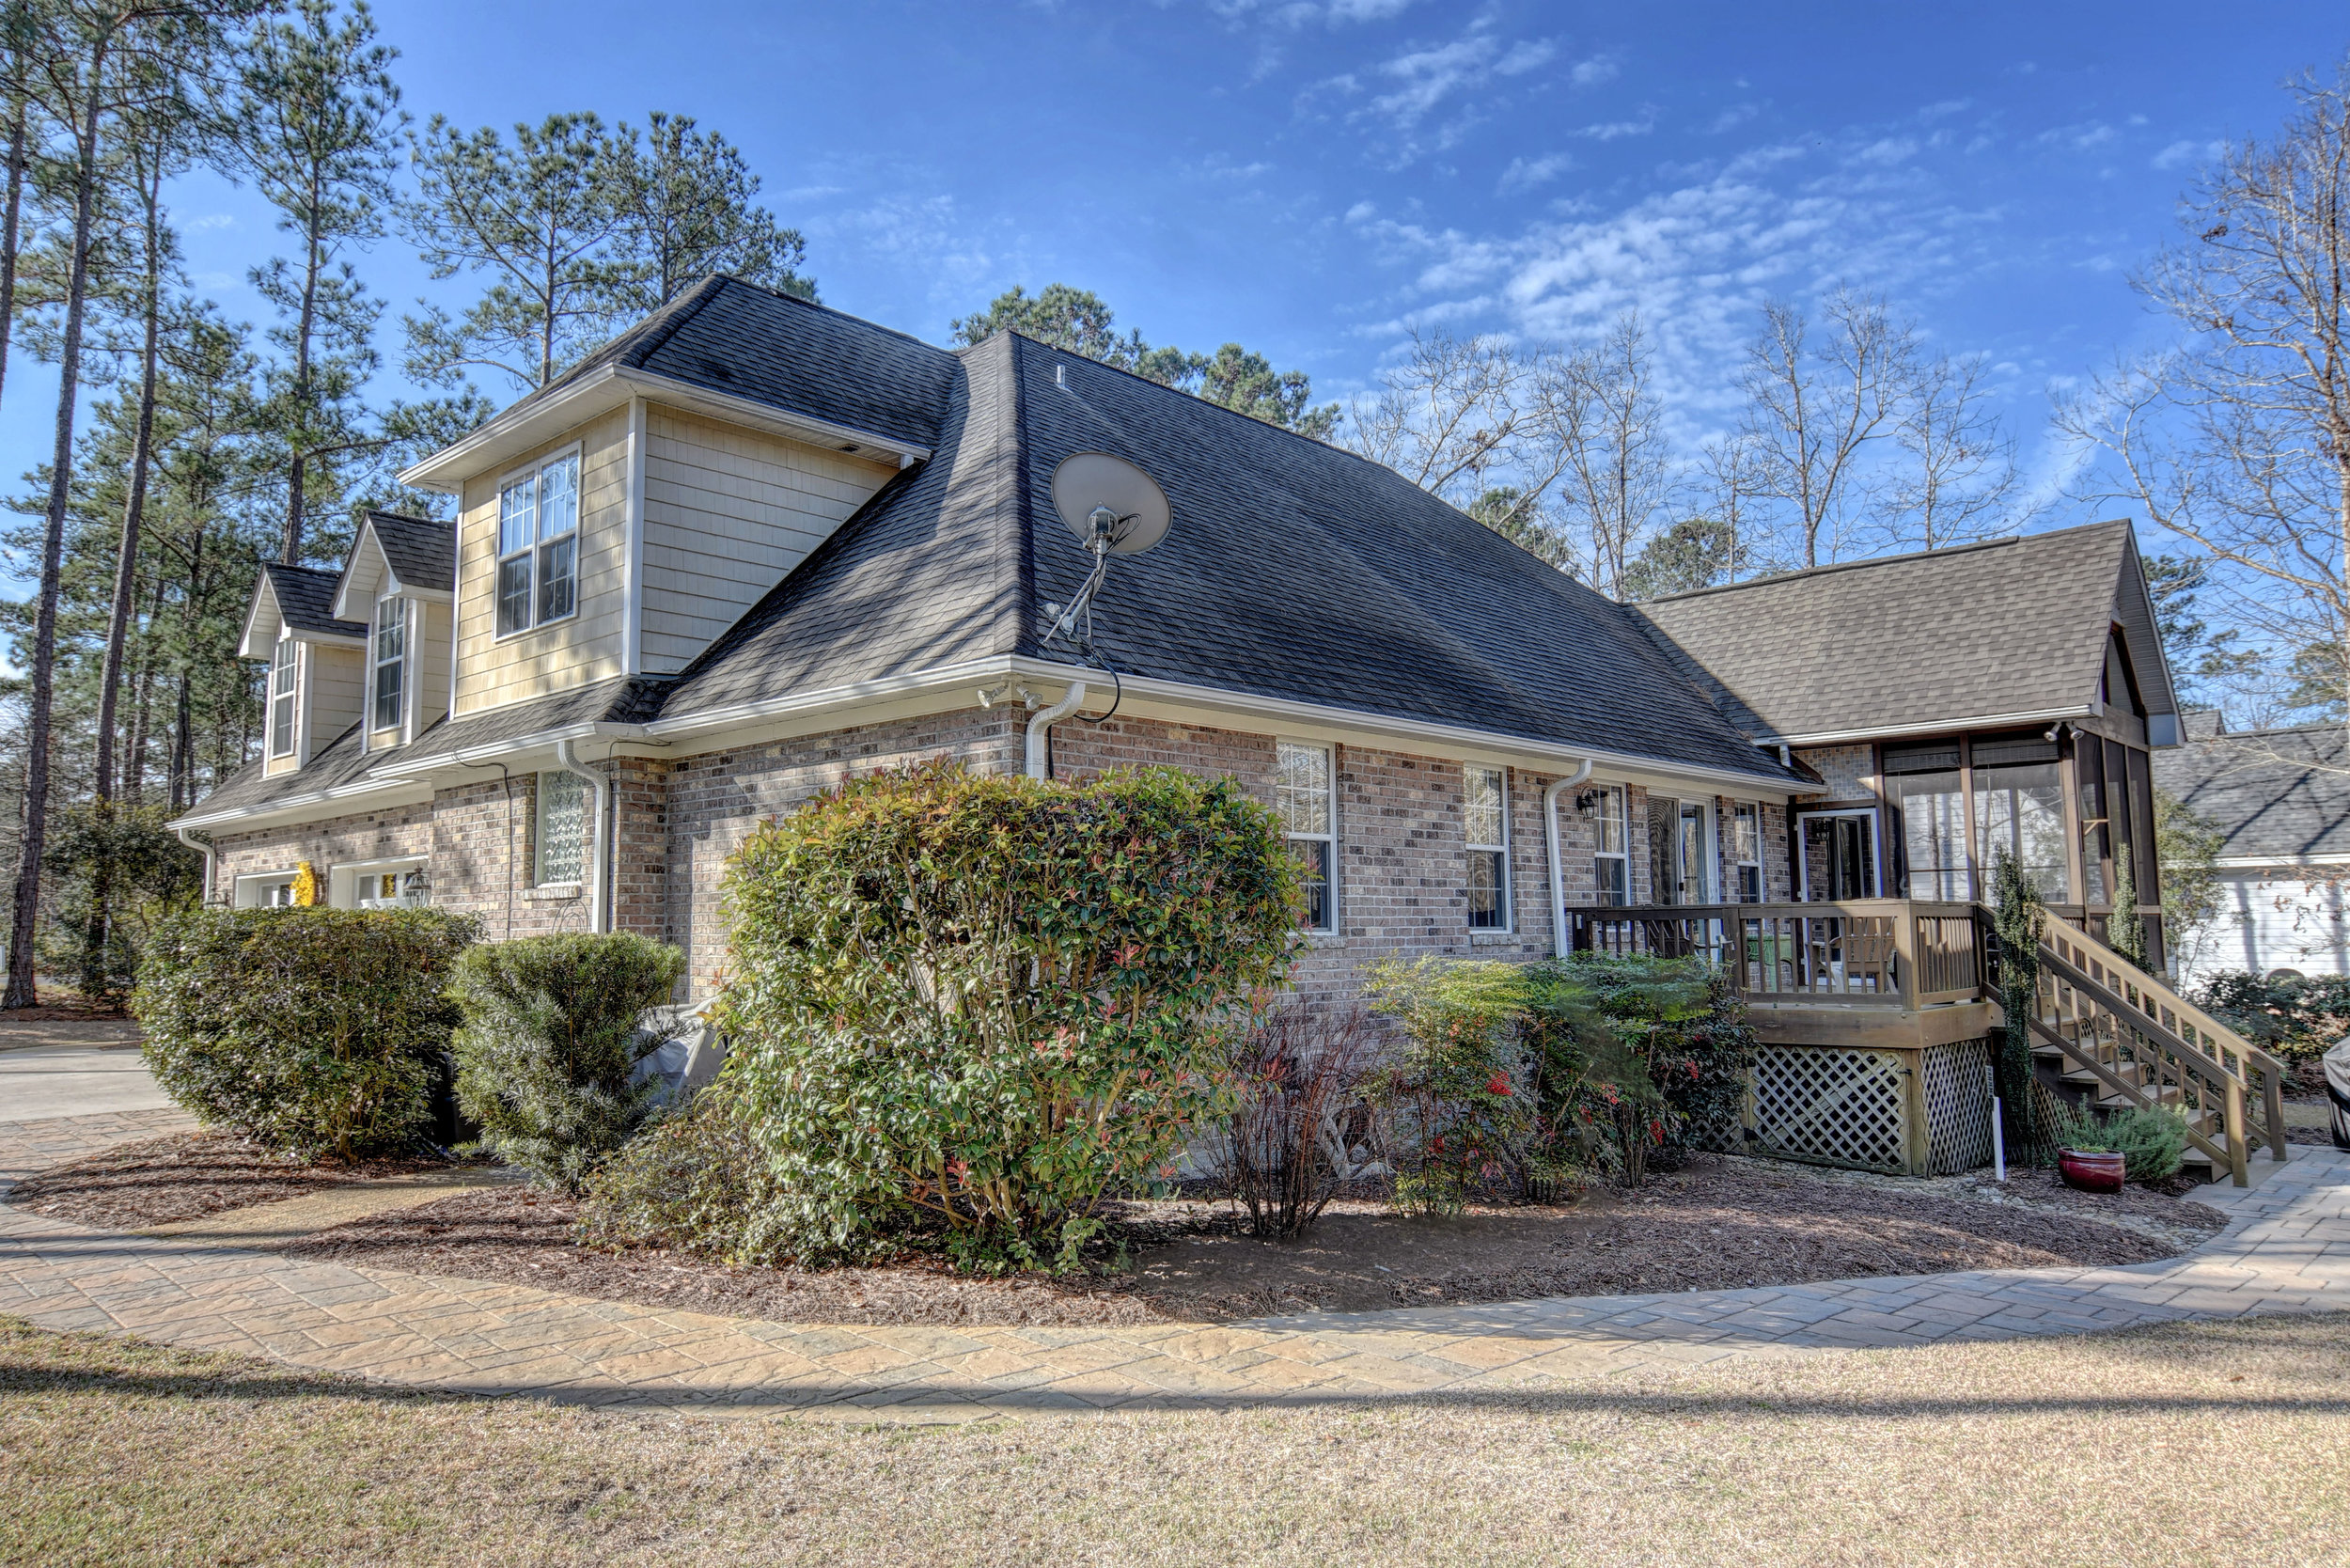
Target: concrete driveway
72, 1069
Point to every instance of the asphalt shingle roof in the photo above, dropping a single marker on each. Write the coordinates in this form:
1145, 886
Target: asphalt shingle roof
422, 553
1907, 641
726, 336
1294, 571
306, 599
2275, 793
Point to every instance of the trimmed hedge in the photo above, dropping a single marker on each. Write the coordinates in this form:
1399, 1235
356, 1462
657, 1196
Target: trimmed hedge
967, 1007
310, 1031
545, 1053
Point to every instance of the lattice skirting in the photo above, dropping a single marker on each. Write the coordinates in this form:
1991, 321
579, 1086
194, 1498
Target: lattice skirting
1918, 1113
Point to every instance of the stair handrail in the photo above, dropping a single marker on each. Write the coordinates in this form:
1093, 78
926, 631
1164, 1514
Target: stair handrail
2256, 1071
2217, 1075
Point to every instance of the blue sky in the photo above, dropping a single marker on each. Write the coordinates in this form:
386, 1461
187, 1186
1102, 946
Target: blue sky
1314, 179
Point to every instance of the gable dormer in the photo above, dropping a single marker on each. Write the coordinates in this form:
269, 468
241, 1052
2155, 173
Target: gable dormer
399, 584
316, 663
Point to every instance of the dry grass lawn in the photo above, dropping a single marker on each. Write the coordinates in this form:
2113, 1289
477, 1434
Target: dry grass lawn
2206, 1444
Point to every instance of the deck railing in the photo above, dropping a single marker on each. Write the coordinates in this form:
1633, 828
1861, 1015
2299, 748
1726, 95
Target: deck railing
2136, 1039
1862, 952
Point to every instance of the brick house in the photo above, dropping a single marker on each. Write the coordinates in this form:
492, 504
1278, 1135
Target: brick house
755, 545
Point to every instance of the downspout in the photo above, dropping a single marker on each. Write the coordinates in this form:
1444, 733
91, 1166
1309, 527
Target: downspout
1558, 866
1045, 719
599, 907
206, 851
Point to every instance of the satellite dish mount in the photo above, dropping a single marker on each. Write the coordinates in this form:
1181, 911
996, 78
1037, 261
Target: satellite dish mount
1114, 509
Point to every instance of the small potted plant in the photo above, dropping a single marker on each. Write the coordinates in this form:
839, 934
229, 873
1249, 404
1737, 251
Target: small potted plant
2087, 1158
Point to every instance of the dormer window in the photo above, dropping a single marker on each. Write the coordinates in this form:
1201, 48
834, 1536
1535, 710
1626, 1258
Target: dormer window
281, 699
538, 546
391, 658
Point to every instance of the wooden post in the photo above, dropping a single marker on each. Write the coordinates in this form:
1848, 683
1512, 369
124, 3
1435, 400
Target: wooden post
1917, 1140
1905, 954
2236, 1145
2272, 1102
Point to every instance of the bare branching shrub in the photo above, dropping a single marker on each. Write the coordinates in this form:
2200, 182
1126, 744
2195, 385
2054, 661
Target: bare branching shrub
1300, 1131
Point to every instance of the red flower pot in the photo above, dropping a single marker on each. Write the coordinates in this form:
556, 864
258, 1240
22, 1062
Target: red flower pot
2100, 1172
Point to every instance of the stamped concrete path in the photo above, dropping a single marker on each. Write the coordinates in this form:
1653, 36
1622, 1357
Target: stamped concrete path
2286, 1249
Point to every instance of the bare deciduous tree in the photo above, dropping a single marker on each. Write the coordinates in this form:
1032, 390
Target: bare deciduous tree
1602, 427
1814, 402
1447, 415
2237, 439
1958, 481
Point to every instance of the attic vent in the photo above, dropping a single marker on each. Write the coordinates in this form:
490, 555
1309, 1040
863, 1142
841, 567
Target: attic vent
848, 445
1060, 374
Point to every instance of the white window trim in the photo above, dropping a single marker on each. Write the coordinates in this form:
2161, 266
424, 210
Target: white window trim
293, 698
1709, 846
1623, 834
1509, 882
376, 663
236, 888
1330, 783
1803, 861
498, 538
1762, 881
342, 881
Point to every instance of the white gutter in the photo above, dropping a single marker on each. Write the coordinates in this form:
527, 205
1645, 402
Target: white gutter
1044, 720
206, 851
1937, 727
599, 907
1557, 863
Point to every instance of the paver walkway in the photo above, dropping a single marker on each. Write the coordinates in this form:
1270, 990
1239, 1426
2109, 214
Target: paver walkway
2287, 1248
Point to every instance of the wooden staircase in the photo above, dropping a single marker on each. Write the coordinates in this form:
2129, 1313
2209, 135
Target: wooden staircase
2127, 1038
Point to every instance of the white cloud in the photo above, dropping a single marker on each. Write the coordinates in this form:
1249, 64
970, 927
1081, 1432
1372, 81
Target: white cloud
2084, 137
1887, 150
1733, 117
1527, 56
2178, 154
1598, 68
1616, 130
1421, 80
1362, 211
1524, 174
213, 220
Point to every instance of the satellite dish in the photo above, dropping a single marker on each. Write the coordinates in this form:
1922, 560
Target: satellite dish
1094, 492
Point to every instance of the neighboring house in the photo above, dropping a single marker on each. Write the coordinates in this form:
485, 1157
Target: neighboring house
2280, 801
1953, 703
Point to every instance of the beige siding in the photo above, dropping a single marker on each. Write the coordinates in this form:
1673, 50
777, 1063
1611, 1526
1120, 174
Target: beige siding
433, 665
338, 692
591, 645
728, 511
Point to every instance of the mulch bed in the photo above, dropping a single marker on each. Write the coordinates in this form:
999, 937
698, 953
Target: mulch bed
186, 1176
1723, 1223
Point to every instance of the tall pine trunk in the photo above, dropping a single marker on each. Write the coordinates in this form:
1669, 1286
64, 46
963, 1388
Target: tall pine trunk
10, 226
22, 987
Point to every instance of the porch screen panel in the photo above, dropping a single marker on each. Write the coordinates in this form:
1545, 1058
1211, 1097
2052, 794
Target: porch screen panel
2089, 769
2142, 828
1934, 834
2020, 809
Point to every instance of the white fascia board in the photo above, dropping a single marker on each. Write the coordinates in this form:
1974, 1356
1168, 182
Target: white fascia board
2276, 862
608, 386
360, 794
491, 751
1937, 727
264, 602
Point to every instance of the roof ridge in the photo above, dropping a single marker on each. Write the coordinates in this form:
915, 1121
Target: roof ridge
1210, 403
1805, 573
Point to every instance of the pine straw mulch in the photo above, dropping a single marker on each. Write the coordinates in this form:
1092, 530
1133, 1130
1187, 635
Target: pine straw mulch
1721, 1224
186, 1176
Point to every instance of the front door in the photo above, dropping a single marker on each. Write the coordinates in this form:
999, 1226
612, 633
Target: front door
1840, 859
1680, 849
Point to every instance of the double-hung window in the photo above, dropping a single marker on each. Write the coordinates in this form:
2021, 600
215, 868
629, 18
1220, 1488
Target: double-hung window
391, 661
281, 699
1611, 860
1486, 814
562, 833
1746, 849
538, 546
1302, 795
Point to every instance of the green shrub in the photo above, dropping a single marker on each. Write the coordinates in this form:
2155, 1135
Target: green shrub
1643, 1059
967, 1006
2150, 1141
2297, 1018
545, 1051
1457, 1092
696, 1178
307, 1031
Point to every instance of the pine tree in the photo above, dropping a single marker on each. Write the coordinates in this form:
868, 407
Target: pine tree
685, 199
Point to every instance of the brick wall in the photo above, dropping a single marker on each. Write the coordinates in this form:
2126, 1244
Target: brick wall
386, 835
1401, 851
